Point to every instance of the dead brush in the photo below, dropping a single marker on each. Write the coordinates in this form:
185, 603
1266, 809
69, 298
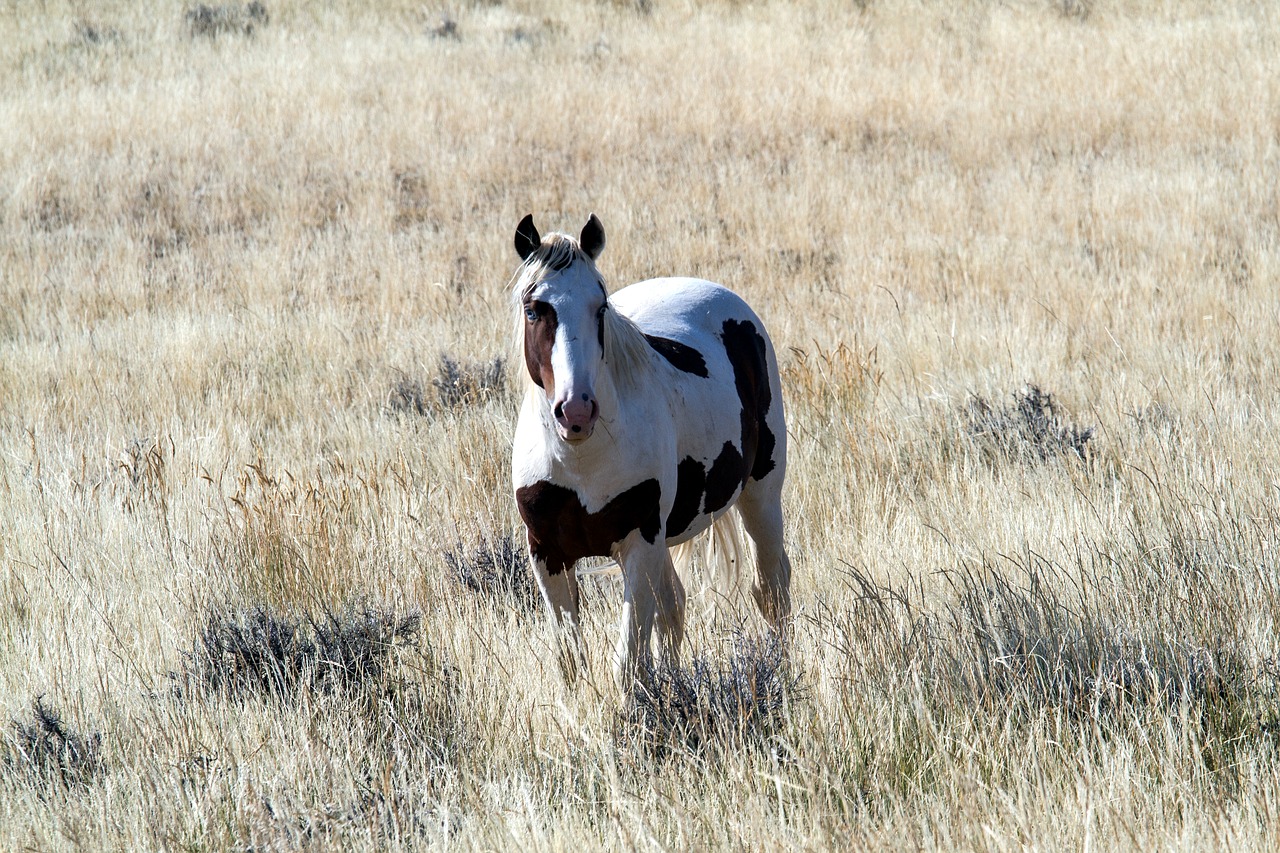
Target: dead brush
90, 34
230, 19
48, 752
496, 570
261, 651
1034, 427
455, 384
742, 701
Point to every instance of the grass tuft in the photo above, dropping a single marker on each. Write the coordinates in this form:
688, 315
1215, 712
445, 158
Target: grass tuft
47, 751
1025, 645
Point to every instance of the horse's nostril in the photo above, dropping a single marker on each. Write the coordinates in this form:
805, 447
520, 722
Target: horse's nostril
577, 428
558, 411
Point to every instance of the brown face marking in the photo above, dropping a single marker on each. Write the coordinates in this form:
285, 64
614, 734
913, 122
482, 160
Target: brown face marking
539, 337
561, 531
745, 348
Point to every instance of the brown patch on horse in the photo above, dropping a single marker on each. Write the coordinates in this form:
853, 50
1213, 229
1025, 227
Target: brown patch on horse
682, 356
539, 338
691, 480
727, 474
746, 350
561, 531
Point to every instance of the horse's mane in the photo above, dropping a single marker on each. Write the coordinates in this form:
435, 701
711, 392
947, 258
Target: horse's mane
627, 355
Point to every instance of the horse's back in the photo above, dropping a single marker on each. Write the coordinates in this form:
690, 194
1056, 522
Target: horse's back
683, 309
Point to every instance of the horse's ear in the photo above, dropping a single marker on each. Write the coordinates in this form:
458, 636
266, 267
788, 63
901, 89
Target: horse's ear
527, 239
592, 239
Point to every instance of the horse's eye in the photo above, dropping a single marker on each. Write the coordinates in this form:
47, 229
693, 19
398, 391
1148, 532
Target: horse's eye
530, 314
600, 313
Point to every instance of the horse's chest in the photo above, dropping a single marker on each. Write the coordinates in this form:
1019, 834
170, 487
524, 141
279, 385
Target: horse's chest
562, 530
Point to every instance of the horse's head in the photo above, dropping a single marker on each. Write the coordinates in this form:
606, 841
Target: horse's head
563, 303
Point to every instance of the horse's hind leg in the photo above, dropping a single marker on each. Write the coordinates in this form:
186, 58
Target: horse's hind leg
671, 605
760, 507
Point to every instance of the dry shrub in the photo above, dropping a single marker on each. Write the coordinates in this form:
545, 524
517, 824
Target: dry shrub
94, 35
47, 752
409, 397
446, 29
456, 384
1033, 428
230, 19
412, 195
264, 651
709, 704
498, 571
405, 727
459, 384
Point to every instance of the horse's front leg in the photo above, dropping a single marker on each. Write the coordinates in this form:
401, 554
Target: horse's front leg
652, 594
560, 594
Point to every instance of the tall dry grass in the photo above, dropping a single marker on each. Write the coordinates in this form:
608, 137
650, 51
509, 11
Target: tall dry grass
235, 249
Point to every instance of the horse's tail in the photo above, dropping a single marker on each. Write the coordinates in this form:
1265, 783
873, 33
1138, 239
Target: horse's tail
722, 550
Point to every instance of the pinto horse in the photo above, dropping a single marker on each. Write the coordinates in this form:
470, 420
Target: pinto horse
650, 414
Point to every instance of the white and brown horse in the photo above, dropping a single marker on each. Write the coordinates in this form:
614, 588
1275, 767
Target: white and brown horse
649, 415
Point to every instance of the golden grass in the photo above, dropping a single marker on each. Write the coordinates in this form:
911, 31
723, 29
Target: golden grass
220, 255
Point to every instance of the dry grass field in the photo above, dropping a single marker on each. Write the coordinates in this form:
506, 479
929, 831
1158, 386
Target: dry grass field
1021, 261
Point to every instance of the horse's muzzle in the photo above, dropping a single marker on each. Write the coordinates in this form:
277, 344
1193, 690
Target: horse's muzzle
576, 417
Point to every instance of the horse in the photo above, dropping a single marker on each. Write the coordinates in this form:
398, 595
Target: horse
650, 414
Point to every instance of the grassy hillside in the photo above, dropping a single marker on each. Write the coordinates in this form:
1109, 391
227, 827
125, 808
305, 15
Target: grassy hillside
1022, 266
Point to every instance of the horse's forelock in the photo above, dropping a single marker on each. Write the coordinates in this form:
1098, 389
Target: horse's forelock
557, 253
